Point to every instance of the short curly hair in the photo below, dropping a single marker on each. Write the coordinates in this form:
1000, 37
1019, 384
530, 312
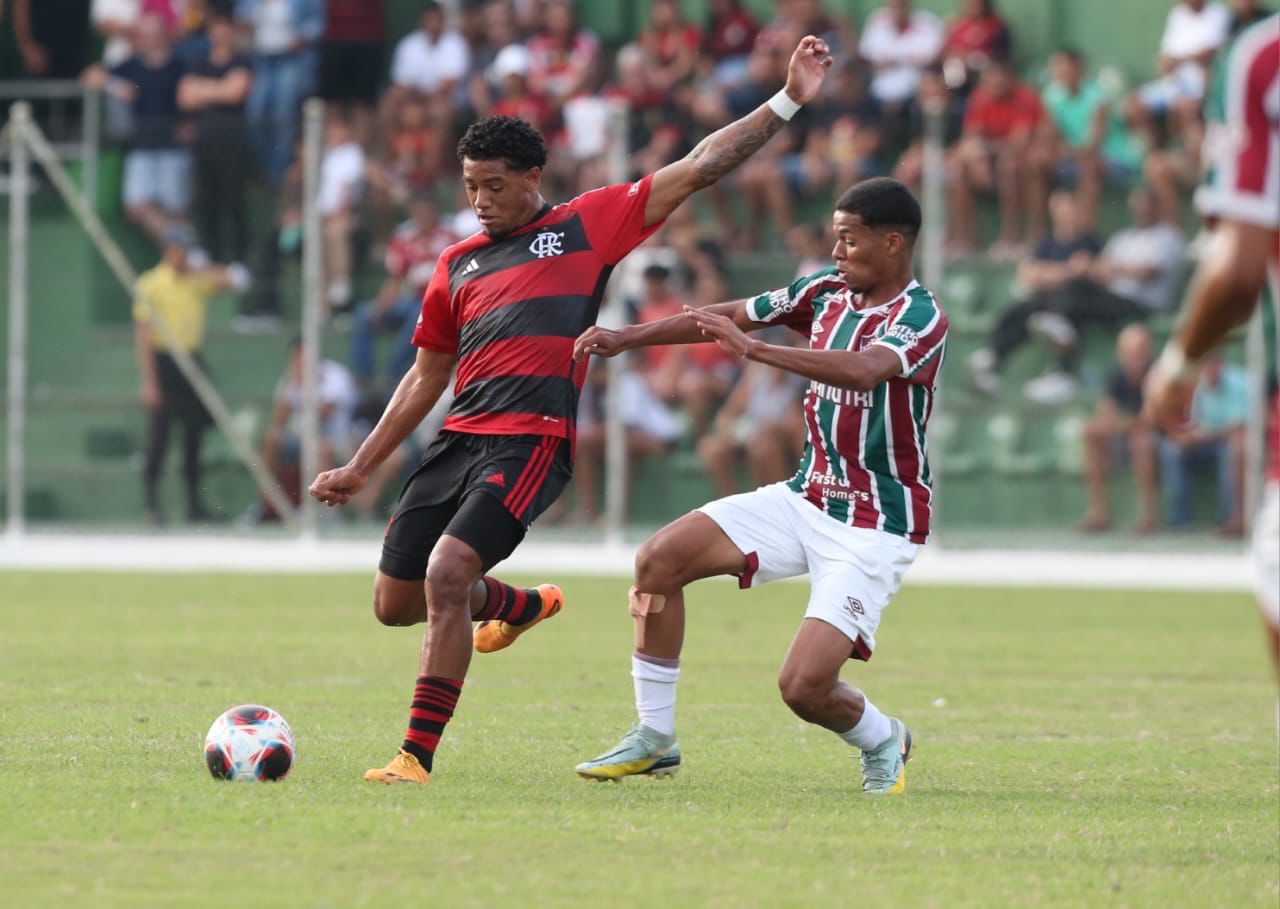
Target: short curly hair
506, 139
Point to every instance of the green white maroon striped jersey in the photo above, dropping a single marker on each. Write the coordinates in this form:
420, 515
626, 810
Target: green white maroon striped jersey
865, 460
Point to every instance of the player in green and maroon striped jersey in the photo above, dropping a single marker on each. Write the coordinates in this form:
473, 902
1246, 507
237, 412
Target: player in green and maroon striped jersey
853, 516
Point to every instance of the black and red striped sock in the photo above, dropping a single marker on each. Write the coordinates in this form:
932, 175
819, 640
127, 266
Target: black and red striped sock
433, 701
516, 605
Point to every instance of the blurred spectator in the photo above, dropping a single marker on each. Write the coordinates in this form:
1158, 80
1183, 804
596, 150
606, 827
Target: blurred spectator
410, 260
976, 37
157, 169
1193, 32
670, 46
114, 20
838, 138
995, 154
808, 245
727, 40
651, 431
1244, 13
1117, 429
696, 376
563, 59
498, 32
214, 90
191, 38
514, 98
52, 37
931, 94
342, 172
899, 42
351, 59
761, 424
1134, 278
793, 19
1214, 438
414, 153
178, 295
286, 35
1088, 142
1065, 255
282, 442
284, 240
431, 60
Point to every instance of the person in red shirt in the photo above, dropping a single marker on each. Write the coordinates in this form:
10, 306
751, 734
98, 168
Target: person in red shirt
562, 58
993, 153
351, 58
501, 312
411, 257
670, 46
727, 39
514, 98
977, 37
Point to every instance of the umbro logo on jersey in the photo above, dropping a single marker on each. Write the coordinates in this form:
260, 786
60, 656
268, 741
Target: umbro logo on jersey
473, 265
546, 244
817, 328
854, 607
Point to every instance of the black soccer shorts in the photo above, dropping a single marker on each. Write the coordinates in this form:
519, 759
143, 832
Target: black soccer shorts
482, 489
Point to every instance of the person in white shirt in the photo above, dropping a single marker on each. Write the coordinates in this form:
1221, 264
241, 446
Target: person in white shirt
342, 173
1193, 32
899, 42
431, 60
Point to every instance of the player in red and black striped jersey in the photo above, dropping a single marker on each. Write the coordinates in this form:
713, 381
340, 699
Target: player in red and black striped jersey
503, 307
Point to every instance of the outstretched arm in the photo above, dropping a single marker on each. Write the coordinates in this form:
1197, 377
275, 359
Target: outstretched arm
1223, 295
859, 370
726, 148
678, 329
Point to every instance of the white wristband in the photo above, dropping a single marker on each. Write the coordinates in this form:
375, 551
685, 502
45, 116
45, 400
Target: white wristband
1174, 362
782, 105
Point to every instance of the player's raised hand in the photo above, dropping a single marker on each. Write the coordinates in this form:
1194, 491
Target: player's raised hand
720, 329
337, 486
602, 342
807, 69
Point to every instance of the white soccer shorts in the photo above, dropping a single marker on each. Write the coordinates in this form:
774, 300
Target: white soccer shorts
853, 571
1266, 555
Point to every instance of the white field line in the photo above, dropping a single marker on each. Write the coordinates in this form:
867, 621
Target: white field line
935, 566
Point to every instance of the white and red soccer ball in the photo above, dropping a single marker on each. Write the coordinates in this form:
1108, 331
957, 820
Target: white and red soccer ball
249, 743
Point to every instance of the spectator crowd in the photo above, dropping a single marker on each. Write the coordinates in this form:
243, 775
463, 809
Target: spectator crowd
205, 96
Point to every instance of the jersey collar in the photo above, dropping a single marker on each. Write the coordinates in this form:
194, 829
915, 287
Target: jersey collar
883, 306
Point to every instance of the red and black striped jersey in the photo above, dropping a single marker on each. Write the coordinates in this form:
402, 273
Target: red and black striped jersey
511, 308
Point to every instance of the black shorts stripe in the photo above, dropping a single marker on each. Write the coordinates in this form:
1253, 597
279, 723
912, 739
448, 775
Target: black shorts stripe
558, 317
550, 396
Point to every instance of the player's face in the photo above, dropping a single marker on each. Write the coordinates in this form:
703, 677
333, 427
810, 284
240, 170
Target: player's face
503, 199
864, 256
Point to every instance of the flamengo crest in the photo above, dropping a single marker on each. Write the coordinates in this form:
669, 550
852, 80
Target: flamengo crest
546, 244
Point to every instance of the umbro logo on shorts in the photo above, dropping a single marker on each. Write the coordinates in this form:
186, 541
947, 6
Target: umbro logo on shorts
854, 607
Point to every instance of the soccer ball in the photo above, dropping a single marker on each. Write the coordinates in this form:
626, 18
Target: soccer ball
249, 743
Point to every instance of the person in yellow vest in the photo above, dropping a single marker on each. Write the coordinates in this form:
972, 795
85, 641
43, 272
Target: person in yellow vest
177, 293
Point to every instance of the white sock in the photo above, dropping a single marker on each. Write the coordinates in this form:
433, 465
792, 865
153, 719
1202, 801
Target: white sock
656, 692
870, 731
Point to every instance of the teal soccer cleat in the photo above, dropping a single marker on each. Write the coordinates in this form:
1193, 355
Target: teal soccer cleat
884, 770
642, 752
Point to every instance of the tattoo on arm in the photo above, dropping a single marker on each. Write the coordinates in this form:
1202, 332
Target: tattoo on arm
726, 148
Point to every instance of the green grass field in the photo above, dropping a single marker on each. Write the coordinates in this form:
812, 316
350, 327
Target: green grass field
1072, 749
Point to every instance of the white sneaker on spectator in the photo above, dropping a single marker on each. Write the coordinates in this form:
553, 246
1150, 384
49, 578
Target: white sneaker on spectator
1055, 329
982, 371
1051, 389
339, 294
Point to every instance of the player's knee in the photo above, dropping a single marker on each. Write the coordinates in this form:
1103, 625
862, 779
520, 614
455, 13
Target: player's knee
447, 584
658, 566
392, 610
802, 693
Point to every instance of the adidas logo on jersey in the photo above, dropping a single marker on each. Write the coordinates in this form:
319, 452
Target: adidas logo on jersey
473, 265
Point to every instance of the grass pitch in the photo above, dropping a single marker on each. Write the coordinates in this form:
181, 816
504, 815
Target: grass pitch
1072, 749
